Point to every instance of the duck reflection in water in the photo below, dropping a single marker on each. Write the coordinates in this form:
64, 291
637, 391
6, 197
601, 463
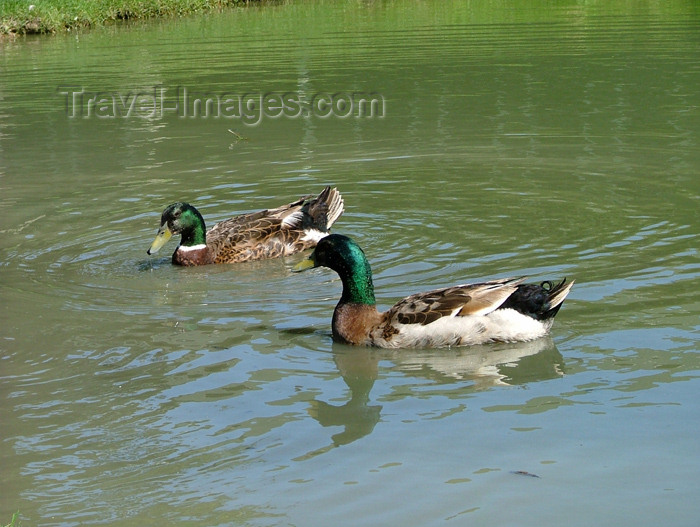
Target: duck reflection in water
483, 367
359, 368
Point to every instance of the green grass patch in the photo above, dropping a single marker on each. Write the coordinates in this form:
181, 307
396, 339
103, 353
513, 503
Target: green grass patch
51, 16
15, 520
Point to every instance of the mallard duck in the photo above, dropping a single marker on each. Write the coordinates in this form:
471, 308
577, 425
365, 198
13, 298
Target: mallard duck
265, 234
505, 310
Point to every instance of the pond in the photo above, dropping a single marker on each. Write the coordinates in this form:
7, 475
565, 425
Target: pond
470, 142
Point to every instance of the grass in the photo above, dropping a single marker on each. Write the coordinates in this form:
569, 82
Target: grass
19, 17
15, 520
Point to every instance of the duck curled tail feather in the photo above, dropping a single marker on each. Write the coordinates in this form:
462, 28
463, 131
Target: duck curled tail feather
539, 301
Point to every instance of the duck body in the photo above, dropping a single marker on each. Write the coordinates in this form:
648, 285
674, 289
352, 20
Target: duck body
505, 310
265, 234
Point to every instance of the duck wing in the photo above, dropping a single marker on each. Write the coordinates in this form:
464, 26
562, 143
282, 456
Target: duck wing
460, 300
317, 214
275, 232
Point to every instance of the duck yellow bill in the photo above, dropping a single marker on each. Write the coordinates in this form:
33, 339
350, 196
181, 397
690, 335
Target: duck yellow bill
308, 263
164, 234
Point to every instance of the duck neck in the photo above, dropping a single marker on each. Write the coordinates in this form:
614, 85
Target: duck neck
194, 234
356, 276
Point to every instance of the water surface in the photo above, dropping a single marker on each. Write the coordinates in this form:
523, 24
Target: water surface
542, 141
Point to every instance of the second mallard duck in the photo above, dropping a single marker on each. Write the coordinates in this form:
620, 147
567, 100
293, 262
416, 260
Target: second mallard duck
497, 311
265, 234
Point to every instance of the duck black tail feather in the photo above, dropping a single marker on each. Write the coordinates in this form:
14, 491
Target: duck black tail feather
539, 301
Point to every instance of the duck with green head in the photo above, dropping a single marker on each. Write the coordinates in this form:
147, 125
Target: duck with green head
265, 234
505, 310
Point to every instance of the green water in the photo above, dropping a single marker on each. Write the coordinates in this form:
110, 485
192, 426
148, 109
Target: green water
512, 139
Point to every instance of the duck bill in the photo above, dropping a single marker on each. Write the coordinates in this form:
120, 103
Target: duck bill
164, 234
308, 263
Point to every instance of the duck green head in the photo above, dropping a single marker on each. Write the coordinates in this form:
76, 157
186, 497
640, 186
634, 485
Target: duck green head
180, 218
346, 258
